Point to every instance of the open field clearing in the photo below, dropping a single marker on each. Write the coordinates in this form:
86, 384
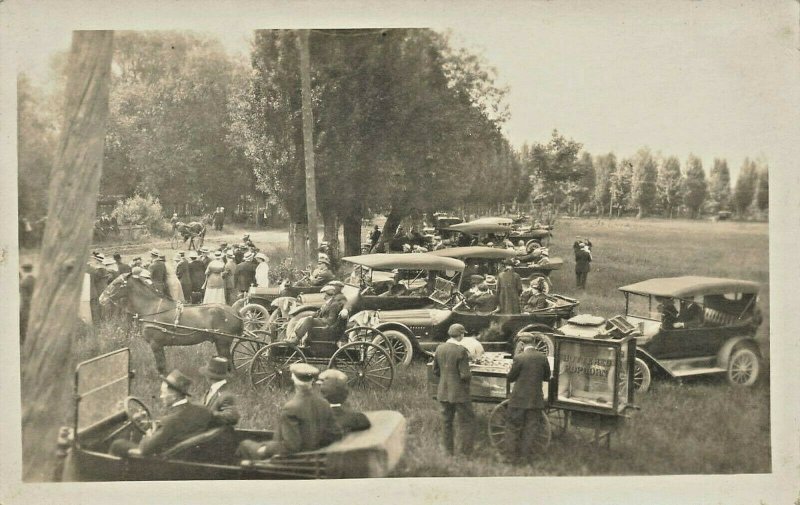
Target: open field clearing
697, 426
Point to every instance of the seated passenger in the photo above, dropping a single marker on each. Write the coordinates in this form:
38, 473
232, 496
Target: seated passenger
484, 301
396, 290
306, 421
326, 316
322, 274
692, 315
181, 421
669, 316
217, 398
533, 298
333, 386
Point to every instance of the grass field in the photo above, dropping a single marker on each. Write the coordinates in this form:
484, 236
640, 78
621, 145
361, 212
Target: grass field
698, 426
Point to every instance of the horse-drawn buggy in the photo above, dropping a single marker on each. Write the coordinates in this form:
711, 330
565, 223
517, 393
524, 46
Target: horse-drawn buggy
590, 389
194, 233
105, 411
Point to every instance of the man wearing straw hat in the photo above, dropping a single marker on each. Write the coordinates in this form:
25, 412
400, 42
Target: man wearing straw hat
182, 420
306, 421
218, 399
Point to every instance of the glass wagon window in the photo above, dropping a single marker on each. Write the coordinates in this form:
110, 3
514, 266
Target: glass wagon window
102, 387
586, 374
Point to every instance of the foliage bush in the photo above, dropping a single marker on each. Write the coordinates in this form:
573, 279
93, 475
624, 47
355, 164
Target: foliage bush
142, 210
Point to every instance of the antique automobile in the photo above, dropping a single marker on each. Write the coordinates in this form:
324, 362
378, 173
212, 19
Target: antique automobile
105, 411
687, 326
484, 230
419, 330
590, 389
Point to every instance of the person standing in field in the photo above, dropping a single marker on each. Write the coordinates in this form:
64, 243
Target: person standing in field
184, 277
229, 274
197, 274
451, 365
262, 270
158, 271
582, 259
215, 284
509, 287
525, 407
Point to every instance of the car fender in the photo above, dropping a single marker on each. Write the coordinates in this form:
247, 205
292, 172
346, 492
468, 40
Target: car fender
401, 328
650, 360
724, 353
301, 308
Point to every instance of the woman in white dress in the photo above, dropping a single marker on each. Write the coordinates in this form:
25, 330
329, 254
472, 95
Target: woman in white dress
262, 270
173, 284
215, 284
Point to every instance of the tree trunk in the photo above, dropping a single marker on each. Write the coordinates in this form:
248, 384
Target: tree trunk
47, 356
392, 222
330, 234
308, 139
352, 234
298, 246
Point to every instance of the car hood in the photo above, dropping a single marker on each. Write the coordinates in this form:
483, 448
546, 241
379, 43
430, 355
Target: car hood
410, 317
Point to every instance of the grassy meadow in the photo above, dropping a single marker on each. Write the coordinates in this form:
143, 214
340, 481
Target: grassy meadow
695, 426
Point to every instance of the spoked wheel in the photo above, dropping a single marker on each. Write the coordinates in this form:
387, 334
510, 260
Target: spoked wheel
254, 316
558, 421
398, 344
641, 376
743, 368
365, 364
269, 367
498, 420
243, 351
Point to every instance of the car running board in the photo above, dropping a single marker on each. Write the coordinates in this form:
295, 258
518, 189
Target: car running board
691, 366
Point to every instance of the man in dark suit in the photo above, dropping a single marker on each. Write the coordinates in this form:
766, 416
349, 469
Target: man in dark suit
182, 420
306, 421
451, 365
529, 370
197, 274
583, 257
245, 275
98, 281
158, 271
184, 277
326, 316
333, 386
122, 268
218, 399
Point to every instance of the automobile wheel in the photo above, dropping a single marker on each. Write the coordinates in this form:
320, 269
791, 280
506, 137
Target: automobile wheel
641, 376
400, 345
743, 367
238, 305
255, 317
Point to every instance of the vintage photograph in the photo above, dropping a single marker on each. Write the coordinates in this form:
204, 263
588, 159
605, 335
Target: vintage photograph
537, 246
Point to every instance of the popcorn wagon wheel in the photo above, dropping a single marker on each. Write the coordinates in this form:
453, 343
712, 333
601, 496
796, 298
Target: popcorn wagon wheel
498, 419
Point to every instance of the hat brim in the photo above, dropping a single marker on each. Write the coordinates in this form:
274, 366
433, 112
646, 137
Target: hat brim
205, 372
174, 386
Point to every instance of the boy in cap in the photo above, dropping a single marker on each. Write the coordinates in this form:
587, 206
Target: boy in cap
333, 386
181, 421
451, 365
217, 398
306, 421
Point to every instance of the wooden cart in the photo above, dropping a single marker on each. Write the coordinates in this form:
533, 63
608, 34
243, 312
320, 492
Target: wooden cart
591, 388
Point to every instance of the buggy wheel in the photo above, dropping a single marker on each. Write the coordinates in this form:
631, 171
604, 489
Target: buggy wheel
243, 351
641, 376
743, 367
398, 344
254, 316
174, 242
365, 364
269, 367
238, 305
557, 419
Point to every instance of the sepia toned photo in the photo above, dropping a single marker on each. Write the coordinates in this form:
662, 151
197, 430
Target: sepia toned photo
527, 240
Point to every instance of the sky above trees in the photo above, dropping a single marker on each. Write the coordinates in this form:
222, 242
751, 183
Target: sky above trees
717, 79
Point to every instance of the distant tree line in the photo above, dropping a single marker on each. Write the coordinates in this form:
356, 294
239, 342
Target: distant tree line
404, 124
566, 178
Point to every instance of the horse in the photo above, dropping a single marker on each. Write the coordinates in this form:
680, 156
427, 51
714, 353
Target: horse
161, 316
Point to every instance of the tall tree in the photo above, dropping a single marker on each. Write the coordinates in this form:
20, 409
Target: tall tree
621, 186
719, 184
745, 187
605, 165
643, 181
554, 166
668, 184
72, 197
694, 185
762, 189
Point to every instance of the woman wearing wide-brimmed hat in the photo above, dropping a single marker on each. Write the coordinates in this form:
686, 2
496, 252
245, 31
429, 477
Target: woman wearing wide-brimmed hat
215, 284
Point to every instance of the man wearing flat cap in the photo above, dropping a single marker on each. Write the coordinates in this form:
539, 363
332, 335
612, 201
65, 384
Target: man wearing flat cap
528, 371
306, 421
218, 399
158, 271
451, 365
330, 316
333, 386
322, 274
182, 420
